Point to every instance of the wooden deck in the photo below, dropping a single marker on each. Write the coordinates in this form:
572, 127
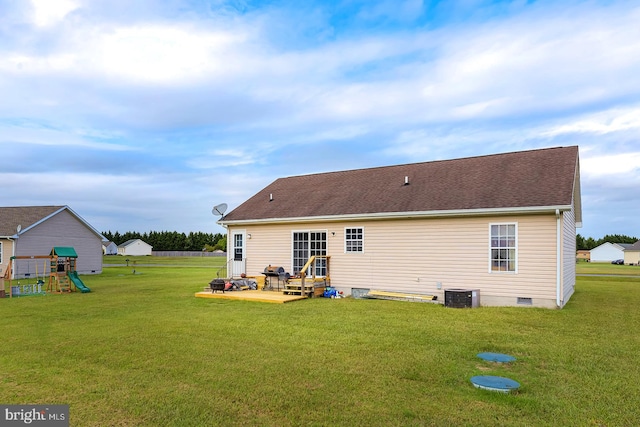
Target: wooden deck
259, 296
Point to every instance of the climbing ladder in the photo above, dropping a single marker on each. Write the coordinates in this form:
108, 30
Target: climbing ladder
64, 284
58, 274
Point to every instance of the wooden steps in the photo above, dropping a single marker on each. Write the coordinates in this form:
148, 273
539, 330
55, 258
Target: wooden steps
311, 287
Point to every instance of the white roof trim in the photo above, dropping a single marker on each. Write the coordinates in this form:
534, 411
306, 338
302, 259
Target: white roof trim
403, 215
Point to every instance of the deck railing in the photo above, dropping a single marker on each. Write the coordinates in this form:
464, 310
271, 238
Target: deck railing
223, 272
312, 263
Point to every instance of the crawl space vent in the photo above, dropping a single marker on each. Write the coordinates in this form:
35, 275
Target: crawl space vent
525, 301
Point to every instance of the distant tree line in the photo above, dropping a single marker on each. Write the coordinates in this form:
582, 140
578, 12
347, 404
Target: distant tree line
172, 240
590, 243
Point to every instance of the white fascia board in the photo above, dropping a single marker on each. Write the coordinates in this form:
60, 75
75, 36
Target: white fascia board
403, 215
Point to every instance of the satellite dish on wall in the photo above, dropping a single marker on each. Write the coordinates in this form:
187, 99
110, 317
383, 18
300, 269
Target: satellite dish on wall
219, 209
18, 228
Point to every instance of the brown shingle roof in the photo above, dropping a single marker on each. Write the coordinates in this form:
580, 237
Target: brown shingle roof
25, 216
526, 179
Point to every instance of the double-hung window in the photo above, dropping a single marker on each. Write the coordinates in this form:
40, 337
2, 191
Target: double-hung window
504, 247
354, 240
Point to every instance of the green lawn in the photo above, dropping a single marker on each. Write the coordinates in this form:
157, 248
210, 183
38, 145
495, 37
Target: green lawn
140, 350
213, 261
607, 268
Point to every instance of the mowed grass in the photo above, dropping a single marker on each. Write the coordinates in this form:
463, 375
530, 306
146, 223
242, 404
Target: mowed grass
141, 350
607, 268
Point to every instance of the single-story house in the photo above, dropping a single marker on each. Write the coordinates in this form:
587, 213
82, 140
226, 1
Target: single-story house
35, 230
109, 248
503, 224
632, 254
583, 254
134, 247
608, 252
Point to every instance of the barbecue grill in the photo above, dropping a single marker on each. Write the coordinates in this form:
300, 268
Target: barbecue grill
270, 272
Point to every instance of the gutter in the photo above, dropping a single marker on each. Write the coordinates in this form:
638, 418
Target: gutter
402, 215
558, 258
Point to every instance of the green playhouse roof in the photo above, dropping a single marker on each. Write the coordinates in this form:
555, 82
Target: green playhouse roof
64, 251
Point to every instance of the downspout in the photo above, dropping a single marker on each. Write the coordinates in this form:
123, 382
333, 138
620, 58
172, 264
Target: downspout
558, 258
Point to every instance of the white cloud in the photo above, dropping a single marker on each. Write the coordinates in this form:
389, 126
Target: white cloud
167, 53
601, 123
50, 12
624, 165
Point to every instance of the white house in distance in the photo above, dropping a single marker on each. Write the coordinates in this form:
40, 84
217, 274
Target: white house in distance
504, 224
134, 247
608, 252
110, 248
35, 230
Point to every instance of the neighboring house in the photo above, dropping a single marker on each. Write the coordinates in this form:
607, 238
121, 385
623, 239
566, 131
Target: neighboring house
35, 230
632, 254
608, 252
583, 254
504, 224
134, 247
109, 248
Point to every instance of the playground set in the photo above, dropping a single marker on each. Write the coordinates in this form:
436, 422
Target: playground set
60, 272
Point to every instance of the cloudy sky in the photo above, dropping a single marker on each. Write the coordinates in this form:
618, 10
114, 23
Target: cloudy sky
141, 115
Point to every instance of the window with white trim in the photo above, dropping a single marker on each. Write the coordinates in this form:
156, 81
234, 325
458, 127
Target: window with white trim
504, 245
354, 240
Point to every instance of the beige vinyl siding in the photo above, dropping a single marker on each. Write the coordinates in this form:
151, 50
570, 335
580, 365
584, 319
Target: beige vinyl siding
6, 248
268, 245
414, 255
568, 255
632, 257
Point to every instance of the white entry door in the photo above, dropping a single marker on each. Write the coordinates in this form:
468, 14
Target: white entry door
238, 255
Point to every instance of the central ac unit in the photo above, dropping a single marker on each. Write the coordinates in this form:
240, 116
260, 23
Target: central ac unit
462, 298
